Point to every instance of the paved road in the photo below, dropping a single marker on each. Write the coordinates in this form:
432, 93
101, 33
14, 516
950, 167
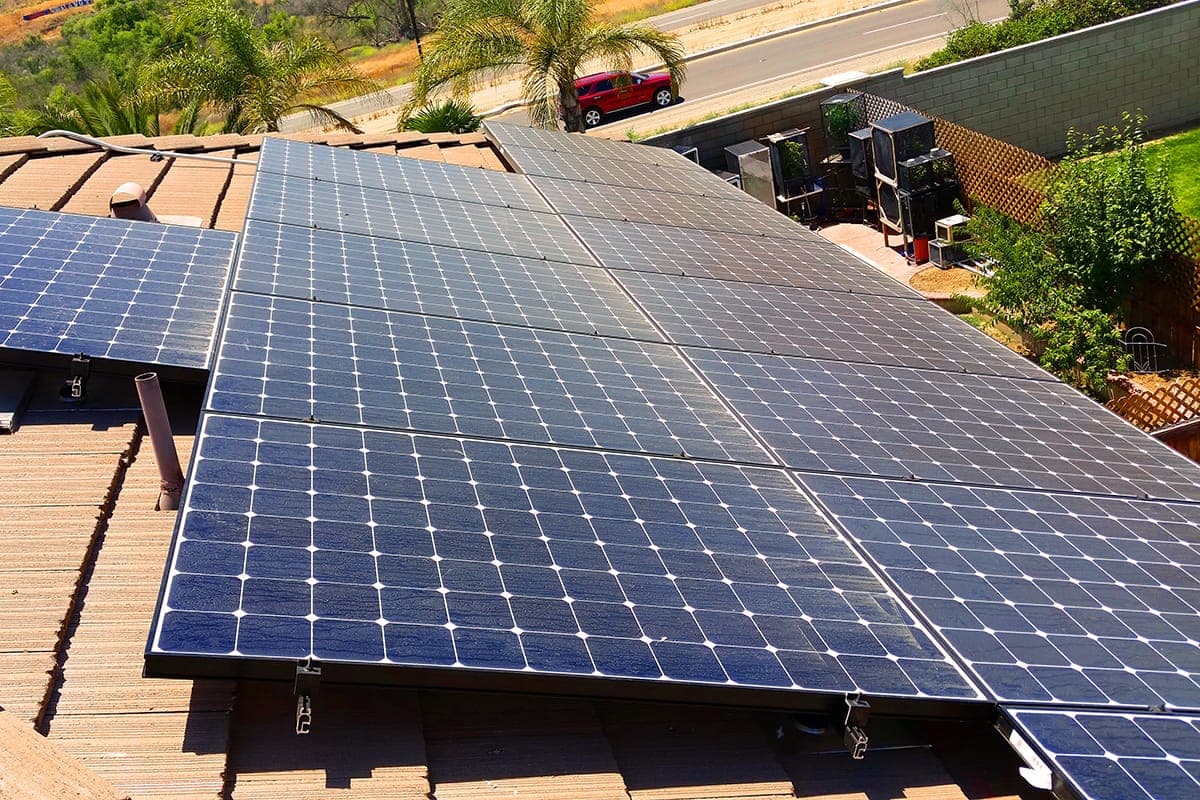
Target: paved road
834, 46
397, 95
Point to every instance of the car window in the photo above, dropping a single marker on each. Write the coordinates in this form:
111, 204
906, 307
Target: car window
583, 89
601, 86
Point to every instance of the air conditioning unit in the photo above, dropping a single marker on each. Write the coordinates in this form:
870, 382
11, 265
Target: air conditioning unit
945, 254
952, 229
899, 138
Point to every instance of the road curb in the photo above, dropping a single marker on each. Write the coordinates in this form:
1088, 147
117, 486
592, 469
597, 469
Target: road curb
724, 48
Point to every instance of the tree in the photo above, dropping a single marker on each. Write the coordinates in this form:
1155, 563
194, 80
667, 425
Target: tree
1109, 213
380, 22
248, 75
451, 116
547, 41
15, 121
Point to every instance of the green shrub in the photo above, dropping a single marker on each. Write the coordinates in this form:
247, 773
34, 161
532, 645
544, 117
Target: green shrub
451, 116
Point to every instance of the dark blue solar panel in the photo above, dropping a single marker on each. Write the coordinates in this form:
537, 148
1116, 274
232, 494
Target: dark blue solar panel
295, 359
1049, 598
815, 264
664, 208
290, 261
365, 546
866, 419
415, 218
132, 291
672, 176
831, 325
398, 174
1106, 756
510, 136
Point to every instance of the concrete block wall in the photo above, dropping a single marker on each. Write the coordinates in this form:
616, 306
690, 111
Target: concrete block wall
1029, 96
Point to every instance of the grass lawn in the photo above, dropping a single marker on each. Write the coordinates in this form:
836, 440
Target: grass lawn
1183, 150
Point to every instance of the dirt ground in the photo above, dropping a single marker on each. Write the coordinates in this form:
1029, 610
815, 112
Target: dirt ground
1161, 380
946, 281
14, 29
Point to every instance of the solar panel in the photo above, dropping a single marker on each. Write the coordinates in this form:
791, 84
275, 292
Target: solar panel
290, 261
414, 218
1107, 756
663, 208
677, 176
398, 174
815, 263
830, 325
1048, 598
943, 426
131, 291
294, 359
382, 548
510, 136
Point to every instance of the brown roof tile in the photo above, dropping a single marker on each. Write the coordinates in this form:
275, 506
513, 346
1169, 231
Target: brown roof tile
92, 196
31, 768
47, 183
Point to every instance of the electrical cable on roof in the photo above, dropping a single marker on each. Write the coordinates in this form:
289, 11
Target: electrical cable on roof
154, 153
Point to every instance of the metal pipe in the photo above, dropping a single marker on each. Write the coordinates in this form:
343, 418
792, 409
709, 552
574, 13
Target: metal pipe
140, 151
159, 428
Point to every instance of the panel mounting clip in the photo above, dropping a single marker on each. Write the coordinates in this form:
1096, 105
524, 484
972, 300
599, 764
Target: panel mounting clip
854, 734
74, 388
308, 681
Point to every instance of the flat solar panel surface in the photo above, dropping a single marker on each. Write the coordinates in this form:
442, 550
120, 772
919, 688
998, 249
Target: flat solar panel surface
678, 177
1049, 598
510, 136
109, 288
818, 324
815, 263
290, 261
1107, 756
366, 546
293, 359
868, 419
408, 175
664, 208
348, 208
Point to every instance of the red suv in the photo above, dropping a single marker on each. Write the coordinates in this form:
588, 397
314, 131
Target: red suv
606, 92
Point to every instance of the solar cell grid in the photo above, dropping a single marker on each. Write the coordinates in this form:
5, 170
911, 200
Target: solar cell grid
813, 263
398, 174
353, 545
290, 261
509, 136
675, 177
820, 324
942, 426
295, 359
110, 288
664, 208
1049, 598
395, 215
1108, 756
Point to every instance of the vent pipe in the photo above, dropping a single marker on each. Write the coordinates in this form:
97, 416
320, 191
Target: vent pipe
159, 428
129, 202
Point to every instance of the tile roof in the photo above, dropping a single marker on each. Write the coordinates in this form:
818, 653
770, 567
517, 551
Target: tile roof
69, 176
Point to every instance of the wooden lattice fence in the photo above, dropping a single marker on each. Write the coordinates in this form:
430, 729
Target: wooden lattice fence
1167, 405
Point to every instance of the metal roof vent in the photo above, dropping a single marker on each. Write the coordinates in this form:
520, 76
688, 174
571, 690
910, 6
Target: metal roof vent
129, 202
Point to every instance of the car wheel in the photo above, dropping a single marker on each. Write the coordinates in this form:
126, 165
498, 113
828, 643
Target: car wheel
664, 98
592, 117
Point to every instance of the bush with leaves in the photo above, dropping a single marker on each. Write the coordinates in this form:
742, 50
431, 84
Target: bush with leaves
1108, 222
1083, 347
1109, 213
450, 116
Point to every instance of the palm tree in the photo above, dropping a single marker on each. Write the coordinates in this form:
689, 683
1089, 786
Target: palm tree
112, 107
547, 40
241, 72
15, 121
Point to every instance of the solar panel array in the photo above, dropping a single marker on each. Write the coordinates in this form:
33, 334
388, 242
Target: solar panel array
1050, 546
662, 436
428, 446
109, 288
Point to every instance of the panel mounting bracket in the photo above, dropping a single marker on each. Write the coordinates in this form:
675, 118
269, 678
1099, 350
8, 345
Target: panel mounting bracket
308, 681
854, 734
74, 388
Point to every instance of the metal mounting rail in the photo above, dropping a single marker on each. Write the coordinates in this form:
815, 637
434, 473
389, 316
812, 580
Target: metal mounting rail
154, 153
